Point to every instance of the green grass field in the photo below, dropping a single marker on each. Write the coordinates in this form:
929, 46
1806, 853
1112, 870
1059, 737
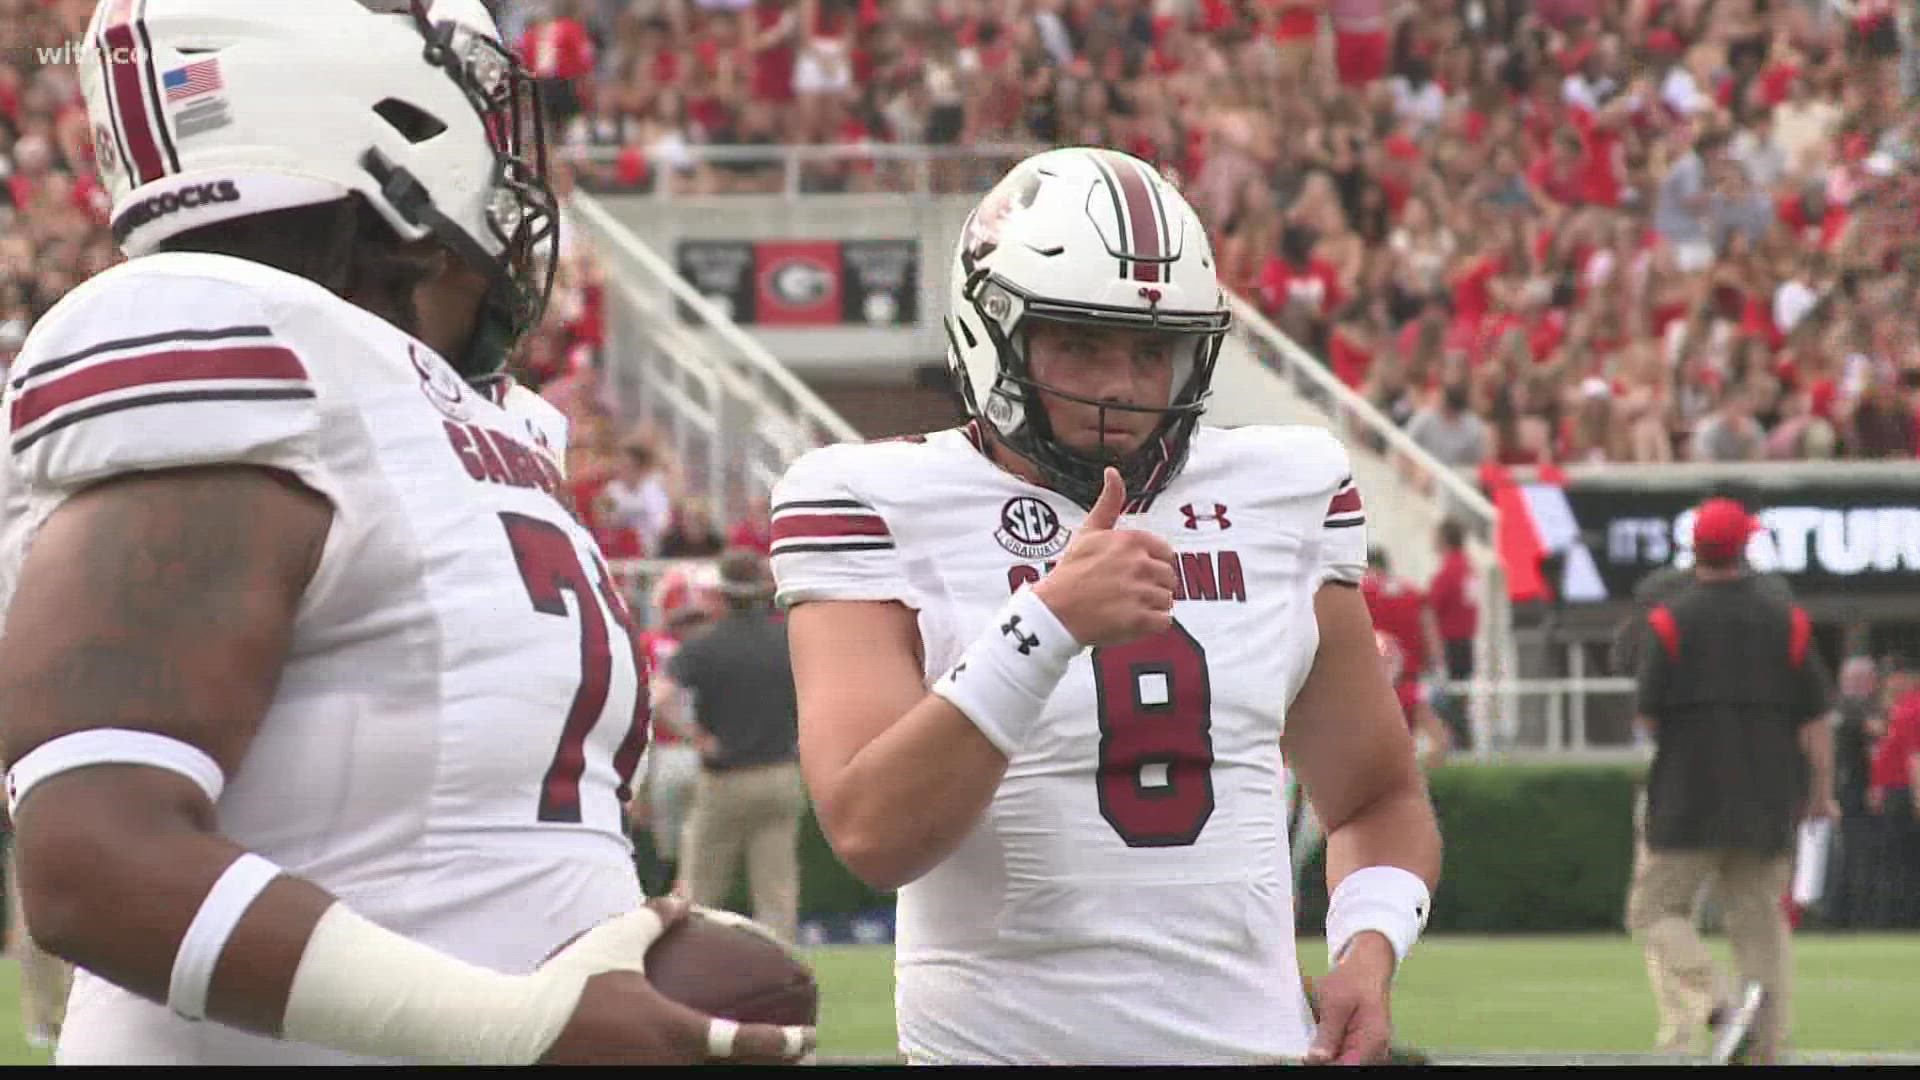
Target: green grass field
1546, 996
1458, 996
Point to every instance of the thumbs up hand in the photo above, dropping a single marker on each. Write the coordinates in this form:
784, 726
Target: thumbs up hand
1112, 585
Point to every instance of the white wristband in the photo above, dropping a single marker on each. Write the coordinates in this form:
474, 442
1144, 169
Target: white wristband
1003, 680
1384, 899
112, 746
232, 894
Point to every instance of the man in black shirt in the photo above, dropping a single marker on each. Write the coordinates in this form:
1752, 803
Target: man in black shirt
749, 797
1736, 699
1860, 719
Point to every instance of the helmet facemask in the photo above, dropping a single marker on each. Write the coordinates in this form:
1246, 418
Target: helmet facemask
1016, 411
522, 212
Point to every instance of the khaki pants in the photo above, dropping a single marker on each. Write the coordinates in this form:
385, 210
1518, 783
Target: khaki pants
672, 772
753, 812
44, 977
1660, 912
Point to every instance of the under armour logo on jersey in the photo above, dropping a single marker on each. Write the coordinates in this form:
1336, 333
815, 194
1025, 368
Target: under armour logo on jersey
1218, 517
957, 669
1026, 642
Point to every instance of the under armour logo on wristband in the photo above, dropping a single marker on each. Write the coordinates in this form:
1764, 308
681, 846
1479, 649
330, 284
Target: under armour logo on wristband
1026, 642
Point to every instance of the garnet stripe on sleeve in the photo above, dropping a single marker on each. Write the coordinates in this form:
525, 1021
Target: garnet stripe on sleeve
820, 504
1347, 502
830, 546
69, 417
190, 365
797, 526
48, 367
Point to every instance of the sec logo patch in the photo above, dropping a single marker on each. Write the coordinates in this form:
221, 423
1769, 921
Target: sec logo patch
1030, 529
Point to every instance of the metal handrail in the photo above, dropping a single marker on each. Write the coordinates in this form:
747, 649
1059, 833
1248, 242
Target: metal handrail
749, 152
792, 157
1464, 494
610, 230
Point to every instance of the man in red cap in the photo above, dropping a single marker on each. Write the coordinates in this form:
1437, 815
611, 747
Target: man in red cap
1736, 699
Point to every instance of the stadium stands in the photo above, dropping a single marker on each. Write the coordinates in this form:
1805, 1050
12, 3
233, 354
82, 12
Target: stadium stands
1625, 230
1630, 231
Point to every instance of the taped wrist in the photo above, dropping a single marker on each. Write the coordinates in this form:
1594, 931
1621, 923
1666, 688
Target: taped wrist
367, 990
1003, 680
1385, 899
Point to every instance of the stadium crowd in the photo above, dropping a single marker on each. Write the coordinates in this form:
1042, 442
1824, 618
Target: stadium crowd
1531, 232
54, 234
1639, 230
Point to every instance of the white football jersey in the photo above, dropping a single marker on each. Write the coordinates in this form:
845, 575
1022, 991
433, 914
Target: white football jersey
1126, 898
463, 704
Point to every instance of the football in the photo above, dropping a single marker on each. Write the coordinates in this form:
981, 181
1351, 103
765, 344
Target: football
732, 967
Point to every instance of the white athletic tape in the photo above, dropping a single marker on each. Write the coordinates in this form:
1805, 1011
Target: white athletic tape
619, 944
367, 990
720, 1035
796, 1038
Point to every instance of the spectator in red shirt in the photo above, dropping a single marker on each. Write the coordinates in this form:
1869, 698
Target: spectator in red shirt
1890, 896
776, 27
1362, 40
753, 530
1296, 28
1893, 779
1400, 611
561, 55
1299, 288
1455, 617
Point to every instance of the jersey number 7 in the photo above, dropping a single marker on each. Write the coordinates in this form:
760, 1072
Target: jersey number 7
550, 567
1156, 738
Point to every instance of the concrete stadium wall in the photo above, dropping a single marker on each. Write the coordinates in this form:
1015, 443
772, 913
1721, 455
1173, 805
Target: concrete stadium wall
880, 354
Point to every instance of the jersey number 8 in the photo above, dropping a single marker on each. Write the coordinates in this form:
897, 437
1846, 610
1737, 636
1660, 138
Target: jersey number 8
1156, 738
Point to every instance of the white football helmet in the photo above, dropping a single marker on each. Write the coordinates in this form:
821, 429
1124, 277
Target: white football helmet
1089, 236
208, 110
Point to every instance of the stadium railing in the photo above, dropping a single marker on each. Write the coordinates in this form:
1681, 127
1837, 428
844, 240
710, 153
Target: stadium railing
1552, 717
1429, 493
733, 414
1549, 716
898, 168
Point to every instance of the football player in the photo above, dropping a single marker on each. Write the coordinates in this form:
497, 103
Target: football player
1053, 665
318, 707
